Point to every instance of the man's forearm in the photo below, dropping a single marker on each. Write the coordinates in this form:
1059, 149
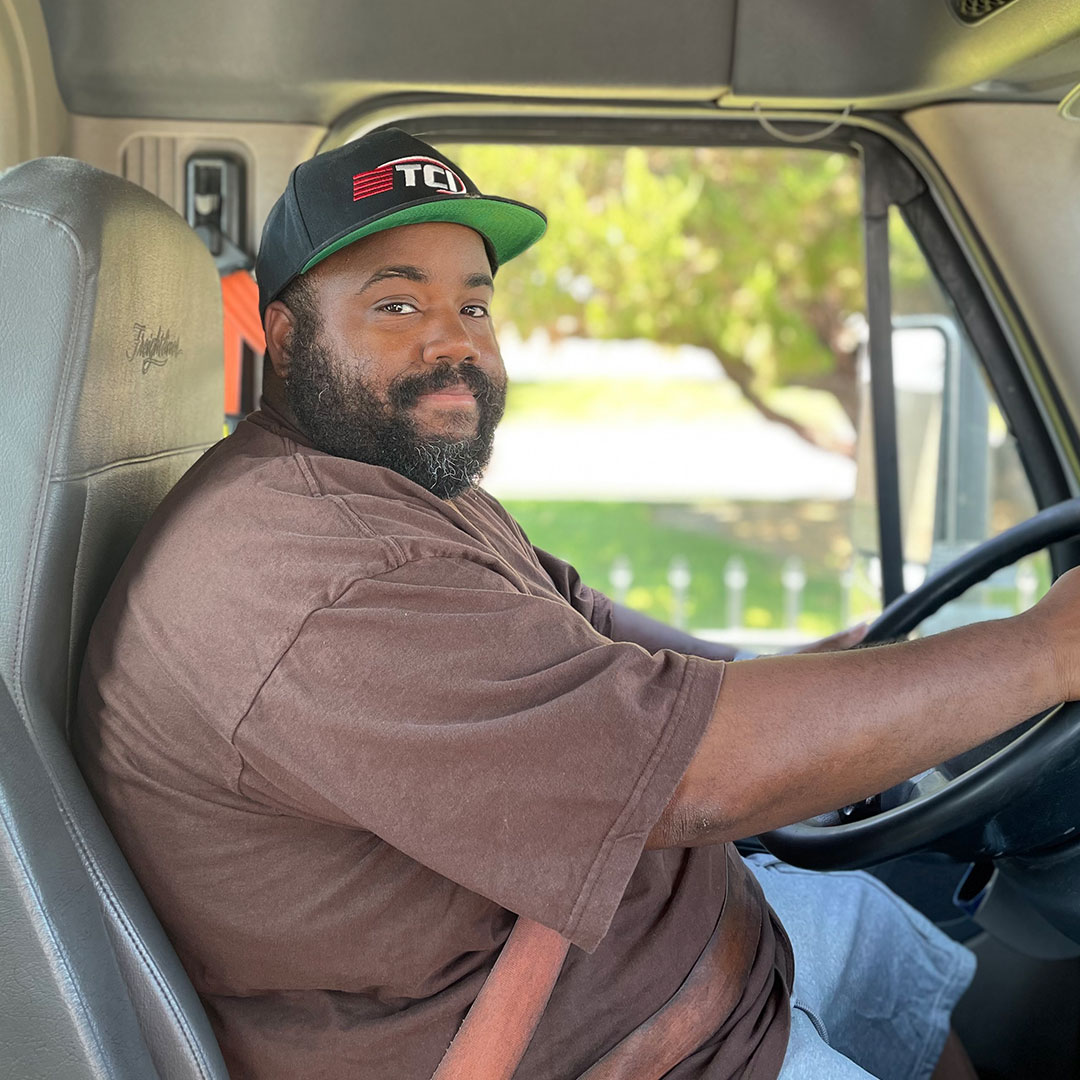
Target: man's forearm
793, 736
651, 634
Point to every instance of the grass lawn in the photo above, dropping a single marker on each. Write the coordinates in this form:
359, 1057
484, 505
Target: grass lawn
592, 535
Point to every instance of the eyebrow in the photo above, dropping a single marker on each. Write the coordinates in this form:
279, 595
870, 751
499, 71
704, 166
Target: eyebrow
410, 273
415, 273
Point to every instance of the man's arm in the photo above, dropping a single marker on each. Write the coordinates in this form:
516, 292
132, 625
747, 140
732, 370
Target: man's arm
793, 736
651, 634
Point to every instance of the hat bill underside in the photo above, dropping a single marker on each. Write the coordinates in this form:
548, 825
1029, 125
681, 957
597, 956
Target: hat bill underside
510, 227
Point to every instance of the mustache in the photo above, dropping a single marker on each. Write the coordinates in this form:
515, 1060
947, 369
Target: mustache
407, 390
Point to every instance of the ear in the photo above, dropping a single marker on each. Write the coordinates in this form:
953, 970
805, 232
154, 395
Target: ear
278, 325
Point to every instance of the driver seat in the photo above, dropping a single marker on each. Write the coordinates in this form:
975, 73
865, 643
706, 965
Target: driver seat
110, 352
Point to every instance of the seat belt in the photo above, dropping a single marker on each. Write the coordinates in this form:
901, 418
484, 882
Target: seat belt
499, 1025
707, 996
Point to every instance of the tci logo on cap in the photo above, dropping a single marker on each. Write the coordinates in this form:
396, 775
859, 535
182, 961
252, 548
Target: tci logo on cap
414, 172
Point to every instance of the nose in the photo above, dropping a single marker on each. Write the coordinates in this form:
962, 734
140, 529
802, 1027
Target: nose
450, 341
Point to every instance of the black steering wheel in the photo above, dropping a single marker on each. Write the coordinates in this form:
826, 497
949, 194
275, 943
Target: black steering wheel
940, 802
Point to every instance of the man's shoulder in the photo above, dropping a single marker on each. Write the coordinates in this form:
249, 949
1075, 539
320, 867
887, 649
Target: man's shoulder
262, 460
480, 505
259, 504
253, 491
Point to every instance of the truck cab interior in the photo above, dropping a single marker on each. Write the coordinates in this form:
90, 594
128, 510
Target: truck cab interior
141, 147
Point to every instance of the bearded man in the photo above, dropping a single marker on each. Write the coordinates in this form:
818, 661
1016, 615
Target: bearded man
349, 725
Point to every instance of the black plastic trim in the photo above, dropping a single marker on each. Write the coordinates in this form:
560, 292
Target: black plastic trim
879, 317
1042, 465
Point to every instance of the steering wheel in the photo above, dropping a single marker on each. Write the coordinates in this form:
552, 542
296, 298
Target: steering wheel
936, 804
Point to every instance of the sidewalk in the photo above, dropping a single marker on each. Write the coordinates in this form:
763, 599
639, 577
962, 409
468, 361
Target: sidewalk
739, 458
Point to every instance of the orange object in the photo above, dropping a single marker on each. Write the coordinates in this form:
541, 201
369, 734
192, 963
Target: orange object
240, 300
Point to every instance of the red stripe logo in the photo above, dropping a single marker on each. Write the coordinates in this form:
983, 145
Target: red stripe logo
375, 182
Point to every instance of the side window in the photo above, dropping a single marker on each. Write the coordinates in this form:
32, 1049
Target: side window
961, 479
685, 416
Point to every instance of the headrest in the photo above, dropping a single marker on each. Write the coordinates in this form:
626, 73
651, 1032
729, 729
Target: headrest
112, 376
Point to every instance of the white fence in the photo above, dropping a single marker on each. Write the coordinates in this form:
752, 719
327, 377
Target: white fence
1019, 584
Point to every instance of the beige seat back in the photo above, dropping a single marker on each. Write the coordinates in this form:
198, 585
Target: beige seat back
110, 387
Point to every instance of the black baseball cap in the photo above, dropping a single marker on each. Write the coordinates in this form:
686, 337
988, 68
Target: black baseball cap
380, 181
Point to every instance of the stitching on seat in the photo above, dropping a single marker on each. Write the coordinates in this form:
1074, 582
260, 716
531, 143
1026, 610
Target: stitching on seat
108, 894
18, 693
137, 460
54, 435
50, 928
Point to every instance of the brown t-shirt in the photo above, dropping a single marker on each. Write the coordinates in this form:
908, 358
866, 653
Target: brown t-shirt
344, 730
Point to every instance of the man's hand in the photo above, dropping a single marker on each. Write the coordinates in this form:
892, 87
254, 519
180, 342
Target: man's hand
1057, 619
842, 639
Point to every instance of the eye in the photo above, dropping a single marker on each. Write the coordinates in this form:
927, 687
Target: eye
397, 307
477, 311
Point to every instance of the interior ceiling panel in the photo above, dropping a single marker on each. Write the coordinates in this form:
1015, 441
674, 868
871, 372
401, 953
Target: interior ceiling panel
896, 53
306, 63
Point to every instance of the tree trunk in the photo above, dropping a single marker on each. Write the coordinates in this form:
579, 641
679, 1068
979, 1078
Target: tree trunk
835, 383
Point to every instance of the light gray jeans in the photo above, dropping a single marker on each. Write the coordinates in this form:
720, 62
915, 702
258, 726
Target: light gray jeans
875, 981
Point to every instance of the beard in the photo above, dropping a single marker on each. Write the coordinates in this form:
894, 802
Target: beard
345, 417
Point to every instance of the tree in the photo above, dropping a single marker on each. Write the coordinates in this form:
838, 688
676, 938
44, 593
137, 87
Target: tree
754, 254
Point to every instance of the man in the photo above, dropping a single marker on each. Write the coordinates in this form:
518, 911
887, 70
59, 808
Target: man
347, 723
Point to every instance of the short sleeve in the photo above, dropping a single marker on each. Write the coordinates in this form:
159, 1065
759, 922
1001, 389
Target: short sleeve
594, 605
493, 736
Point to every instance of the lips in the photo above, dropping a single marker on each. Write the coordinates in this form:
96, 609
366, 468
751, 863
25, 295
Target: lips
447, 386
460, 392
